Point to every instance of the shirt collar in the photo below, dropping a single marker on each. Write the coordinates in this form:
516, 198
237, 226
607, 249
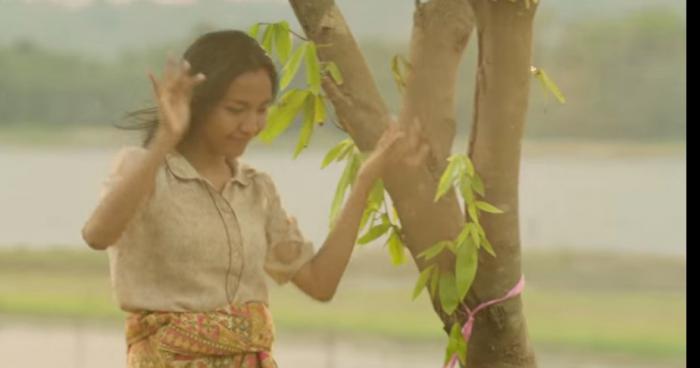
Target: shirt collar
181, 168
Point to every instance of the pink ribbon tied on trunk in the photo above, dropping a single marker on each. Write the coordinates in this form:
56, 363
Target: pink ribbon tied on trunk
469, 325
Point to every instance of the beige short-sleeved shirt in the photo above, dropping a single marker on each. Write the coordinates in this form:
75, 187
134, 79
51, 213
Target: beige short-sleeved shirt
188, 243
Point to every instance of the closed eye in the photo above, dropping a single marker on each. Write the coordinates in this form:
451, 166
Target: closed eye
235, 110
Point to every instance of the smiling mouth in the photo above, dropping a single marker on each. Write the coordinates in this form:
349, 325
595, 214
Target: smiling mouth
238, 141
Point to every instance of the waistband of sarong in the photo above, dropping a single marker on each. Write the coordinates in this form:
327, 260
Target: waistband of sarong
233, 329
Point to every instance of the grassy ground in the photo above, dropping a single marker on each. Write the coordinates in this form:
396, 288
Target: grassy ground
593, 303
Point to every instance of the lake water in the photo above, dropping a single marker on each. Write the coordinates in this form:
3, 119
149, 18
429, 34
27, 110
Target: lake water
579, 201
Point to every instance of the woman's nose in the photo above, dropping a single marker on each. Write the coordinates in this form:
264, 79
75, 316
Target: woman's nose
250, 125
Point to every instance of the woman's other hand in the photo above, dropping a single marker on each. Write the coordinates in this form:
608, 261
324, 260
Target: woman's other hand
398, 145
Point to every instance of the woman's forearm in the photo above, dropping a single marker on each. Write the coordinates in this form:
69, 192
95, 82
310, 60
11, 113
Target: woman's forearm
330, 262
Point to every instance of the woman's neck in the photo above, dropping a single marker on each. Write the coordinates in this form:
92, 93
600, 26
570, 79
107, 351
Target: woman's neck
208, 163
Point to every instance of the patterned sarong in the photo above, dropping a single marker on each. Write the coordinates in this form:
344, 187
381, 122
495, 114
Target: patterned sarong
237, 336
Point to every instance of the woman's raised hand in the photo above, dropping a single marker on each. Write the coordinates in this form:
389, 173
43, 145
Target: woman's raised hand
173, 94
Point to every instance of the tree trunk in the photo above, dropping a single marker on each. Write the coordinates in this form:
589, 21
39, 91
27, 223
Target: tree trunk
441, 30
440, 34
362, 112
503, 78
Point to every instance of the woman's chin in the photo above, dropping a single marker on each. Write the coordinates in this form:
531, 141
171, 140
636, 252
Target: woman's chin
235, 151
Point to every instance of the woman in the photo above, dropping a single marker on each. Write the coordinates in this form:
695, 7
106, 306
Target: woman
190, 230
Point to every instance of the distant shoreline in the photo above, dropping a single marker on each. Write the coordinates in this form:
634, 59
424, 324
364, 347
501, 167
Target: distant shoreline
78, 136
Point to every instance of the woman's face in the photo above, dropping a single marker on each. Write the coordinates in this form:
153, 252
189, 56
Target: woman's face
240, 115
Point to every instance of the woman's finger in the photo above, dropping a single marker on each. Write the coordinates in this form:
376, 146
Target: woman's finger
187, 80
393, 147
170, 72
193, 81
385, 135
180, 76
154, 84
416, 157
397, 136
393, 126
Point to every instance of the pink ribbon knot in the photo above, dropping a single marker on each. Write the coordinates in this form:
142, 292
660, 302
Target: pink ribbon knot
469, 325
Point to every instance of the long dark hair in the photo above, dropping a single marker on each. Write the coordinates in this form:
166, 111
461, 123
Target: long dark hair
221, 56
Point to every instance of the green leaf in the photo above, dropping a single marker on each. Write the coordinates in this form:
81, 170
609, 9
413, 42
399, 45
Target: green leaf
374, 202
366, 215
478, 185
465, 268
434, 250
253, 31
463, 234
487, 207
399, 64
313, 70
375, 232
422, 281
268, 38
292, 67
448, 292
396, 249
469, 166
282, 114
474, 232
307, 127
466, 190
548, 84
364, 155
319, 110
394, 214
456, 344
283, 41
396, 73
332, 68
479, 229
335, 152
357, 161
344, 182
452, 342
376, 194
462, 349
448, 178
348, 150
434, 281
473, 214
486, 244
452, 246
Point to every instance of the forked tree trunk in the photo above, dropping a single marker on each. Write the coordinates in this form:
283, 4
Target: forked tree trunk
440, 34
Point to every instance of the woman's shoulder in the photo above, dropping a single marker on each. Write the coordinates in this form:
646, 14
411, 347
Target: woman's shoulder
122, 162
253, 175
126, 157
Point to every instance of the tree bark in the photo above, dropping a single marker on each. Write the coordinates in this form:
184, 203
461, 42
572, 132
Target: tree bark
441, 30
440, 34
503, 83
364, 115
